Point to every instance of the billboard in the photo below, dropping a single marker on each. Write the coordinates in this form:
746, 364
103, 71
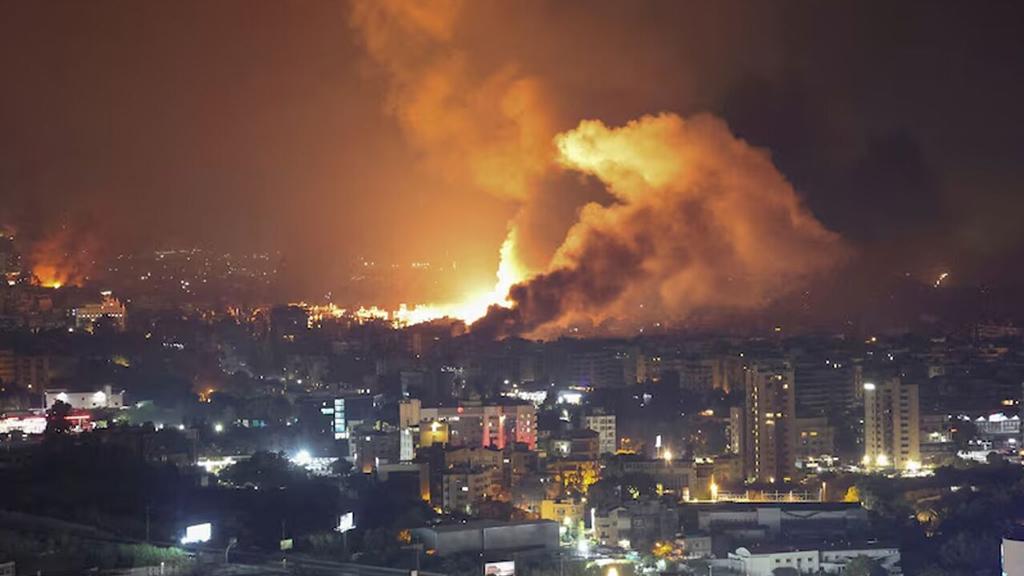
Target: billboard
506, 568
197, 533
346, 523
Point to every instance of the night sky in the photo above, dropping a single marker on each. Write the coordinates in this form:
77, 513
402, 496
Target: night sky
268, 125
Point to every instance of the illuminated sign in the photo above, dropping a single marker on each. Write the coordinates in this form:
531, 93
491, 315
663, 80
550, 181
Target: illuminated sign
507, 568
198, 533
346, 523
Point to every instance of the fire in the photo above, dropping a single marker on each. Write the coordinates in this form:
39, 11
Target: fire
468, 310
476, 304
50, 276
59, 260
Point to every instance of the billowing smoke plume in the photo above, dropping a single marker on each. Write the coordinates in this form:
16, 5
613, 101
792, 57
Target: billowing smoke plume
488, 130
61, 259
701, 222
698, 220
480, 130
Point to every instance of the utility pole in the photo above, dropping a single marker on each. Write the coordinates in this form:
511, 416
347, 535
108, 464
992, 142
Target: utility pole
147, 522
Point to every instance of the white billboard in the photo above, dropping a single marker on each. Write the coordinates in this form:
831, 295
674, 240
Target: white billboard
198, 533
506, 568
346, 523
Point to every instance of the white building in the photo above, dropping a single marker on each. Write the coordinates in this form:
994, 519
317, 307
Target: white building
764, 560
1012, 554
105, 398
604, 425
998, 425
612, 527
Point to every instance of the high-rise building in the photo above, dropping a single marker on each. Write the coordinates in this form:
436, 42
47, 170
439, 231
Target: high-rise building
769, 446
737, 429
825, 386
892, 421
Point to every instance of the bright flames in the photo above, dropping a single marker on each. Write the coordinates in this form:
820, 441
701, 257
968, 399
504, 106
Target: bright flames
60, 259
472, 308
476, 304
50, 276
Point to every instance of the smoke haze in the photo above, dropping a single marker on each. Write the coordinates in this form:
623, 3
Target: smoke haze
325, 134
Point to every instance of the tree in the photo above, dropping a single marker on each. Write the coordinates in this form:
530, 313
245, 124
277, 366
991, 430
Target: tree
262, 469
852, 494
864, 566
341, 467
57, 421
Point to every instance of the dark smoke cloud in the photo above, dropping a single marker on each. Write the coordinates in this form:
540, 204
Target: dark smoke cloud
701, 221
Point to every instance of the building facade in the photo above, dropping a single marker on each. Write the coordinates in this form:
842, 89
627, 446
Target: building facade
892, 422
604, 425
769, 443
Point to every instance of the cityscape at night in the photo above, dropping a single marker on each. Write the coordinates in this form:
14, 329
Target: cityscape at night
511, 288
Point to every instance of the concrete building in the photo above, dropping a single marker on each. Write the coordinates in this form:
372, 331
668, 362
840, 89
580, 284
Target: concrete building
604, 425
1012, 552
493, 425
672, 475
473, 457
109, 309
892, 425
485, 536
586, 367
764, 560
580, 444
561, 511
103, 398
371, 448
789, 520
737, 429
409, 413
696, 545
769, 444
825, 384
611, 527
464, 487
32, 372
639, 523
998, 425
815, 438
